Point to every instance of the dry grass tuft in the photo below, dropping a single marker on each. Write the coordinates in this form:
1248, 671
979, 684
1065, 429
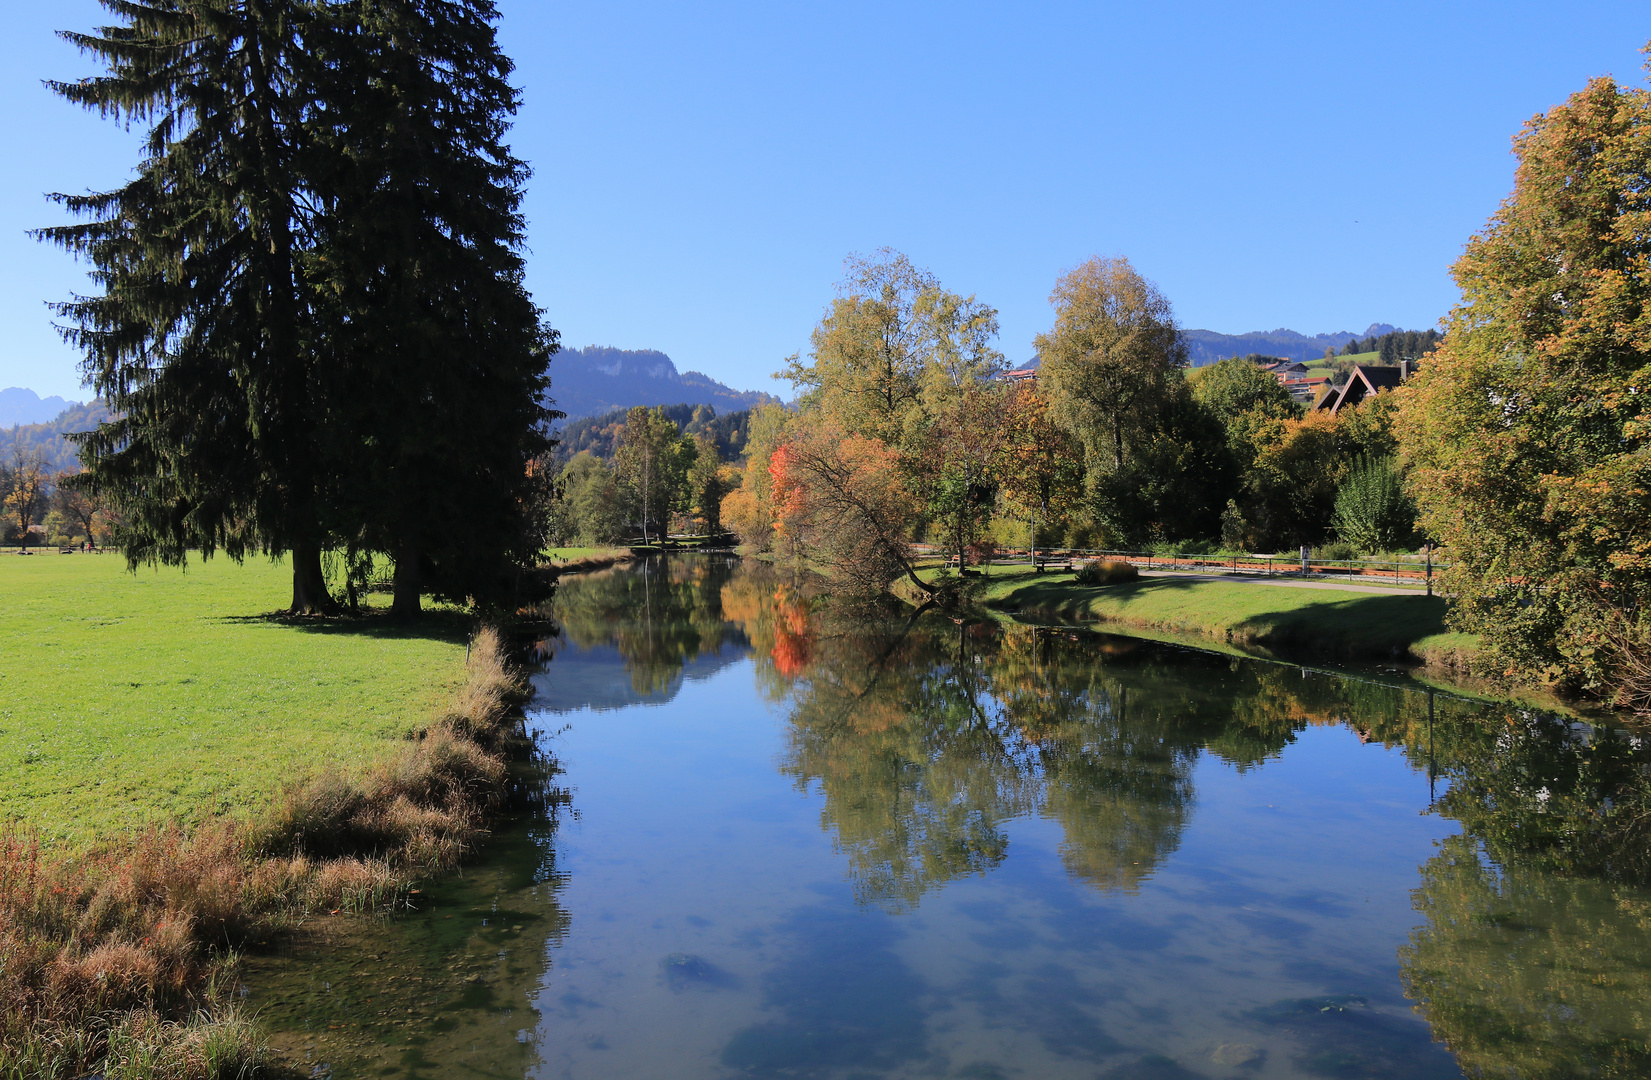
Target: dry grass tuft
114, 961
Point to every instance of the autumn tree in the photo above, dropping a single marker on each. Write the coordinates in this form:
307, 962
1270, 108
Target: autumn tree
1242, 396
1112, 365
27, 492
1041, 466
843, 499
652, 461
748, 509
893, 348
1528, 431
1112, 358
80, 507
709, 482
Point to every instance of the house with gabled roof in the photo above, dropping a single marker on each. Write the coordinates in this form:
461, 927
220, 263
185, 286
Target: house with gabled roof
1362, 383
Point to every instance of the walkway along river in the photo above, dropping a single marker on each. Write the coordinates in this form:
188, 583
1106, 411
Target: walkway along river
793, 840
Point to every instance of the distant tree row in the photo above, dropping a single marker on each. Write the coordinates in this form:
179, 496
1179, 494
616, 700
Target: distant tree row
907, 430
33, 494
660, 477
1396, 346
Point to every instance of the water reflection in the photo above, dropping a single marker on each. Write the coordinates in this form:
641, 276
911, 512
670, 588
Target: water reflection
888, 843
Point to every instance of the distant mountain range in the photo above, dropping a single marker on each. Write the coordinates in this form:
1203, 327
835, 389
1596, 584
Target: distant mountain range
597, 379
1207, 346
19, 405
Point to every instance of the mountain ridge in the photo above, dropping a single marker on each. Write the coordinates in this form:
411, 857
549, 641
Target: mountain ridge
1208, 346
20, 405
599, 378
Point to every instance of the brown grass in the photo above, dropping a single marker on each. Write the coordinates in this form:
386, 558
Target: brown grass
118, 961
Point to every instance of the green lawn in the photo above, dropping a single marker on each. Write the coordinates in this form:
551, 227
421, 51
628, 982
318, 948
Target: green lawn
1320, 620
175, 694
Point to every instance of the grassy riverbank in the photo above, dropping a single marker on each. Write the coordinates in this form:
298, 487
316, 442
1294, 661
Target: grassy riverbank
1319, 621
173, 695
184, 776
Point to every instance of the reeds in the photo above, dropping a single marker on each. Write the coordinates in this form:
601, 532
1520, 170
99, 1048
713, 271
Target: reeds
120, 960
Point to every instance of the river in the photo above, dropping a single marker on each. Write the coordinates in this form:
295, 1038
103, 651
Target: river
772, 836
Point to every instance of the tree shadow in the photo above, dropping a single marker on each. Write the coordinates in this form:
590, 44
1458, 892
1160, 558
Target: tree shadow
1340, 624
441, 624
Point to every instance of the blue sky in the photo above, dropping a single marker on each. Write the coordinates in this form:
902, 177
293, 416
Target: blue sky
701, 170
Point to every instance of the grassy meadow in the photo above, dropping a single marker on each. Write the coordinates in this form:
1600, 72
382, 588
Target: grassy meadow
1318, 620
176, 694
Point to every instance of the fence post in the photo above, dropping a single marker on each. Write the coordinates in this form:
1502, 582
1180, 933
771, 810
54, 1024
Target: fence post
1430, 568
1306, 568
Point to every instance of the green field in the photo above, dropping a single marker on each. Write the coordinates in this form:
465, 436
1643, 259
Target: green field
1322, 621
175, 694
1366, 358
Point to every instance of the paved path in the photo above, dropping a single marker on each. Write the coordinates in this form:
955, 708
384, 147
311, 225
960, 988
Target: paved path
1188, 575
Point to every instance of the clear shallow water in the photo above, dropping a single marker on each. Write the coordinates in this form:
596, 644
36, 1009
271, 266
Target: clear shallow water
793, 841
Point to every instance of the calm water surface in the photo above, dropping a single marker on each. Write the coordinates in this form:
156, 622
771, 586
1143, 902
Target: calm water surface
789, 840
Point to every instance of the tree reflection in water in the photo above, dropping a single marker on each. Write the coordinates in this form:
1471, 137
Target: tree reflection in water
925, 736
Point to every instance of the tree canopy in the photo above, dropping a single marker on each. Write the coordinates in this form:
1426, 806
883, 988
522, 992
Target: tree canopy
1527, 430
310, 294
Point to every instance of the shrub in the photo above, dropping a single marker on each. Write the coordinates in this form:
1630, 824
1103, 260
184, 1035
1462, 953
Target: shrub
1372, 511
1106, 572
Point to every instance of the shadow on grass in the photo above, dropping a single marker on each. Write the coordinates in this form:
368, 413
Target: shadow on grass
1370, 623
437, 625
1365, 624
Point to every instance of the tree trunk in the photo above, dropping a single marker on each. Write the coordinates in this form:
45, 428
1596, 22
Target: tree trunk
405, 604
309, 584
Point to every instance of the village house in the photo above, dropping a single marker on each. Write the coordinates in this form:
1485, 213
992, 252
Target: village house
1362, 383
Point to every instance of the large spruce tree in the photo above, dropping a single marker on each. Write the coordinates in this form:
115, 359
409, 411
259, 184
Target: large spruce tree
440, 351
200, 340
312, 324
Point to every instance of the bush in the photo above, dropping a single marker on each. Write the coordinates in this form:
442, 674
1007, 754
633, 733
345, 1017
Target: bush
1372, 510
1106, 572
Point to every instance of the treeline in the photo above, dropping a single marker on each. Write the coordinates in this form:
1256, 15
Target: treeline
1399, 345
1522, 447
661, 471
907, 431
600, 435
39, 504
311, 323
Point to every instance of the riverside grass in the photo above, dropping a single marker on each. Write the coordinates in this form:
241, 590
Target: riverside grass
117, 960
1319, 621
172, 695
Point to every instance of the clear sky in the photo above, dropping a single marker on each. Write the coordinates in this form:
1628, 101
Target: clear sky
702, 169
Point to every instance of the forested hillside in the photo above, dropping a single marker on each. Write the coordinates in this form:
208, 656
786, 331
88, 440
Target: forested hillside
601, 434
46, 440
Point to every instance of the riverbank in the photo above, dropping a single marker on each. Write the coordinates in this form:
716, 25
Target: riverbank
120, 938
1252, 614
576, 560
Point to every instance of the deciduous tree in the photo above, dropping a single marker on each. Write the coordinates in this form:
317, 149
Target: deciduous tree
1528, 430
843, 499
1112, 358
